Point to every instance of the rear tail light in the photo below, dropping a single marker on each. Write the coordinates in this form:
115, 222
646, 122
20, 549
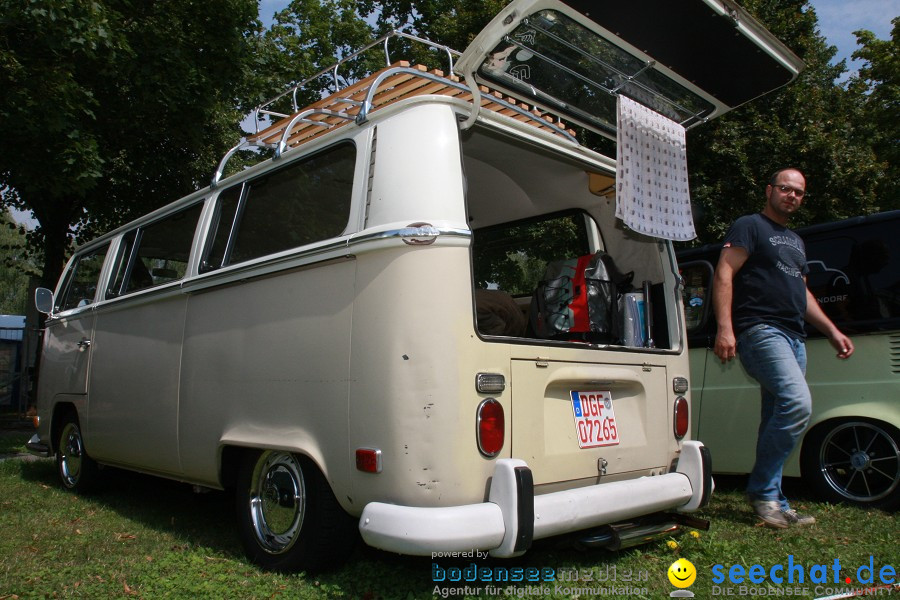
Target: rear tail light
490, 427
682, 417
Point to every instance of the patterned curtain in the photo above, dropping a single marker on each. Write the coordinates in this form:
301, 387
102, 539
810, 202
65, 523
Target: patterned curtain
652, 195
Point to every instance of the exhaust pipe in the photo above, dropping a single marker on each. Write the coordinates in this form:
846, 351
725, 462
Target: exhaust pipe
625, 535
619, 536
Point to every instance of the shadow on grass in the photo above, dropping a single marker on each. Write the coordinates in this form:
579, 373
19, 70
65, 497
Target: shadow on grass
208, 520
163, 505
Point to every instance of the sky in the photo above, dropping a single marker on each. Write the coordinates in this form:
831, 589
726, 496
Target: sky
838, 19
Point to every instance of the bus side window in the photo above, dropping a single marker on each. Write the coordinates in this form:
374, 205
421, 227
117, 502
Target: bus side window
306, 202
81, 285
220, 230
155, 254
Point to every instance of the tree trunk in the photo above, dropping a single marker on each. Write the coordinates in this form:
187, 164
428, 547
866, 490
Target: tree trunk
54, 228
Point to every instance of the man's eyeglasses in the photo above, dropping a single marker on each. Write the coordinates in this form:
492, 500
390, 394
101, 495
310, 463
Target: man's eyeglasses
786, 189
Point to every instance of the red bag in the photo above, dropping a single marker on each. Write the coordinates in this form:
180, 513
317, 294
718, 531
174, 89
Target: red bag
578, 300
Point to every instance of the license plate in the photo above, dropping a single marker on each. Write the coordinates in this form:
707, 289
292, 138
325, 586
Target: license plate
595, 419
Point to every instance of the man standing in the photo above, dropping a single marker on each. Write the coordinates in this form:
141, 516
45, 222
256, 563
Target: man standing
761, 301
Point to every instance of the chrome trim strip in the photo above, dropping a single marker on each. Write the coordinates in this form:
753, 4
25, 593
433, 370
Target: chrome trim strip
338, 249
411, 232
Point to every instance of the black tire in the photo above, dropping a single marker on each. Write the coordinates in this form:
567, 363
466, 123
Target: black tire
288, 518
77, 470
855, 461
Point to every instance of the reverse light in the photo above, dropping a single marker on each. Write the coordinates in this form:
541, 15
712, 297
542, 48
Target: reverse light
682, 417
680, 385
490, 383
490, 427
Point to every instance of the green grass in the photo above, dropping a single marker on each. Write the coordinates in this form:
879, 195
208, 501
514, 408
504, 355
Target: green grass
12, 442
148, 538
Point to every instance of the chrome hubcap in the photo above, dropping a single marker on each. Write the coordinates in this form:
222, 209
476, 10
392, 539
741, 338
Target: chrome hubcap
71, 455
277, 501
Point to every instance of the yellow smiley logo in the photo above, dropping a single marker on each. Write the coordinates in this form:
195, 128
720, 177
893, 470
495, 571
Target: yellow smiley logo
682, 573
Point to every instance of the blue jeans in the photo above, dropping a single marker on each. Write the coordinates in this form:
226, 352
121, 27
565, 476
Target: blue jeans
778, 362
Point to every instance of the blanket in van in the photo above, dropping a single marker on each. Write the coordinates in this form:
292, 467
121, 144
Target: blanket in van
498, 314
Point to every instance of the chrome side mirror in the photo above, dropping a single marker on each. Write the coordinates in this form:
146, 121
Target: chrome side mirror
43, 300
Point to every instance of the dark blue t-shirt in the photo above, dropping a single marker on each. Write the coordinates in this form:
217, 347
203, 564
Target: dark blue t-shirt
769, 288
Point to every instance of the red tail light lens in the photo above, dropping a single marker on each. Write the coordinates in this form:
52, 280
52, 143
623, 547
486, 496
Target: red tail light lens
490, 427
682, 417
368, 460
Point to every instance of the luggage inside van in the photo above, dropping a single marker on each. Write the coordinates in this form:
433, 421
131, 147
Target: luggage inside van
578, 300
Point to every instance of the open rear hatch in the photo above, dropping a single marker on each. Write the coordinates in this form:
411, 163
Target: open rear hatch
690, 60
583, 420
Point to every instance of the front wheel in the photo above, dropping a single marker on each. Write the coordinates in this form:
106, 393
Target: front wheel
77, 471
856, 461
288, 518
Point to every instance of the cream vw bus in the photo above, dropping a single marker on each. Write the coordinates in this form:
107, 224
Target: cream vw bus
340, 333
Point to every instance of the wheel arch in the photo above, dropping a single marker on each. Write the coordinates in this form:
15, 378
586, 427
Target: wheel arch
812, 472
839, 419
876, 410
61, 409
231, 455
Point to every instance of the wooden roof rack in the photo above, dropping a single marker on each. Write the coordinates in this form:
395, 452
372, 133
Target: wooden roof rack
353, 103
388, 86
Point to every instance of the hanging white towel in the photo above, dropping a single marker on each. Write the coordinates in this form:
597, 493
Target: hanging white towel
652, 195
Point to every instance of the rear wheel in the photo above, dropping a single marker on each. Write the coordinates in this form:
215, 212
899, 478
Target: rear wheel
856, 461
77, 471
288, 518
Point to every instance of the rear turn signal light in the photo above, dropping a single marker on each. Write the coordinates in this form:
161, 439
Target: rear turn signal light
490, 427
682, 417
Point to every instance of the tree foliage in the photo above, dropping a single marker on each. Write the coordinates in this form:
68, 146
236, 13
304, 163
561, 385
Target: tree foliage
877, 85
14, 268
453, 23
311, 35
112, 108
810, 124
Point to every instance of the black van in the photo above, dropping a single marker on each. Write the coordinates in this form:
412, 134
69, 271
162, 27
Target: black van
851, 450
